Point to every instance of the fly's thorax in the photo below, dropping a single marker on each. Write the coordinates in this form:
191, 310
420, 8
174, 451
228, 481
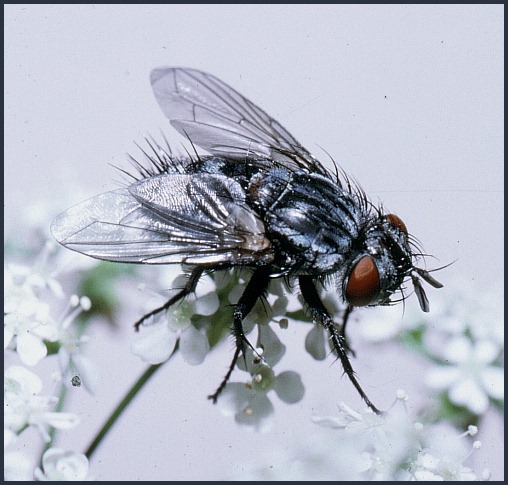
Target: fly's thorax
267, 187
378, 268
310, 218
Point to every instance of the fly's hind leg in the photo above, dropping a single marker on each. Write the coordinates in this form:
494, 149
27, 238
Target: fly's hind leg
321, 315
189, 287
256, 287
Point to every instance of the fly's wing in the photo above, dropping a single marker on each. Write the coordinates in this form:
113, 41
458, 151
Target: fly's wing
220, 120
176, 218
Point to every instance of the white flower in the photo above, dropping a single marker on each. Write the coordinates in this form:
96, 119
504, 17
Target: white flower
17, 467
249, 402
316, 457
395, 447
61, 465
27, 322
250, 408
471, 376
175, 325
429, 467
24, 407
39, 276
479, 311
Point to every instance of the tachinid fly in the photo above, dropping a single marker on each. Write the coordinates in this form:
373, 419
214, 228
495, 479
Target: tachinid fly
259, 200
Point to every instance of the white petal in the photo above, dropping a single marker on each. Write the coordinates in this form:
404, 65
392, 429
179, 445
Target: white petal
381, 328
427, 476
467, 393
331, 421
493, 381
60, 420
30, 349
485, 351
441, 377
8, 333
279, 307
46, 330
233, 398
289, 387
17, 467
458, 350
207, 304
258, 415
315, 342
9, 435
442, 443
205, 285
156, 346
60, 465
169, 276
29, 382
56, 288
273, 348
193, 345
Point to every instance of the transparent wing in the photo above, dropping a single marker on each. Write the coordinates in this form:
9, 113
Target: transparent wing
220, 120
174, 218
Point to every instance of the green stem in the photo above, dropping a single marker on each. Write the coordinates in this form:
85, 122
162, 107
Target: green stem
122, 405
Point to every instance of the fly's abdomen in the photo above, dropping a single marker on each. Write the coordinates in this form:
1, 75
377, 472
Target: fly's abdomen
308, 215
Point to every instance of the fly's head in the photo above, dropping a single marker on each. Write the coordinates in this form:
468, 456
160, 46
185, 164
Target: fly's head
385, 258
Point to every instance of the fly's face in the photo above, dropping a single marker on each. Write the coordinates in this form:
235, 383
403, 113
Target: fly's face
379, 269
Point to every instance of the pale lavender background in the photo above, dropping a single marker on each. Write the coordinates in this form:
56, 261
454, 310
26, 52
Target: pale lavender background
408, 99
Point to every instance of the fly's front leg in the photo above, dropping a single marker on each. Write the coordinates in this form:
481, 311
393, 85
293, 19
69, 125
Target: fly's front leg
189, 287
345, 320
256, 287
321, 315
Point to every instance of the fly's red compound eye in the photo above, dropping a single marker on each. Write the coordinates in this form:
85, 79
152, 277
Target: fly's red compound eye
397, 222
363, 285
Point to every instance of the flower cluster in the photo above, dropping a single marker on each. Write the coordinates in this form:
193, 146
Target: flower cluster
393, 446
360, 445
467, 349
203, 319
31, 334
464, 343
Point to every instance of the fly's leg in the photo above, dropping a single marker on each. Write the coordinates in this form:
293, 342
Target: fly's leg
189, 287
345, 319
321, 315
256, 287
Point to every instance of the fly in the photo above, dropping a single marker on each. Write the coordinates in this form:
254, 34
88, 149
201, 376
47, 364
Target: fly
258, 200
